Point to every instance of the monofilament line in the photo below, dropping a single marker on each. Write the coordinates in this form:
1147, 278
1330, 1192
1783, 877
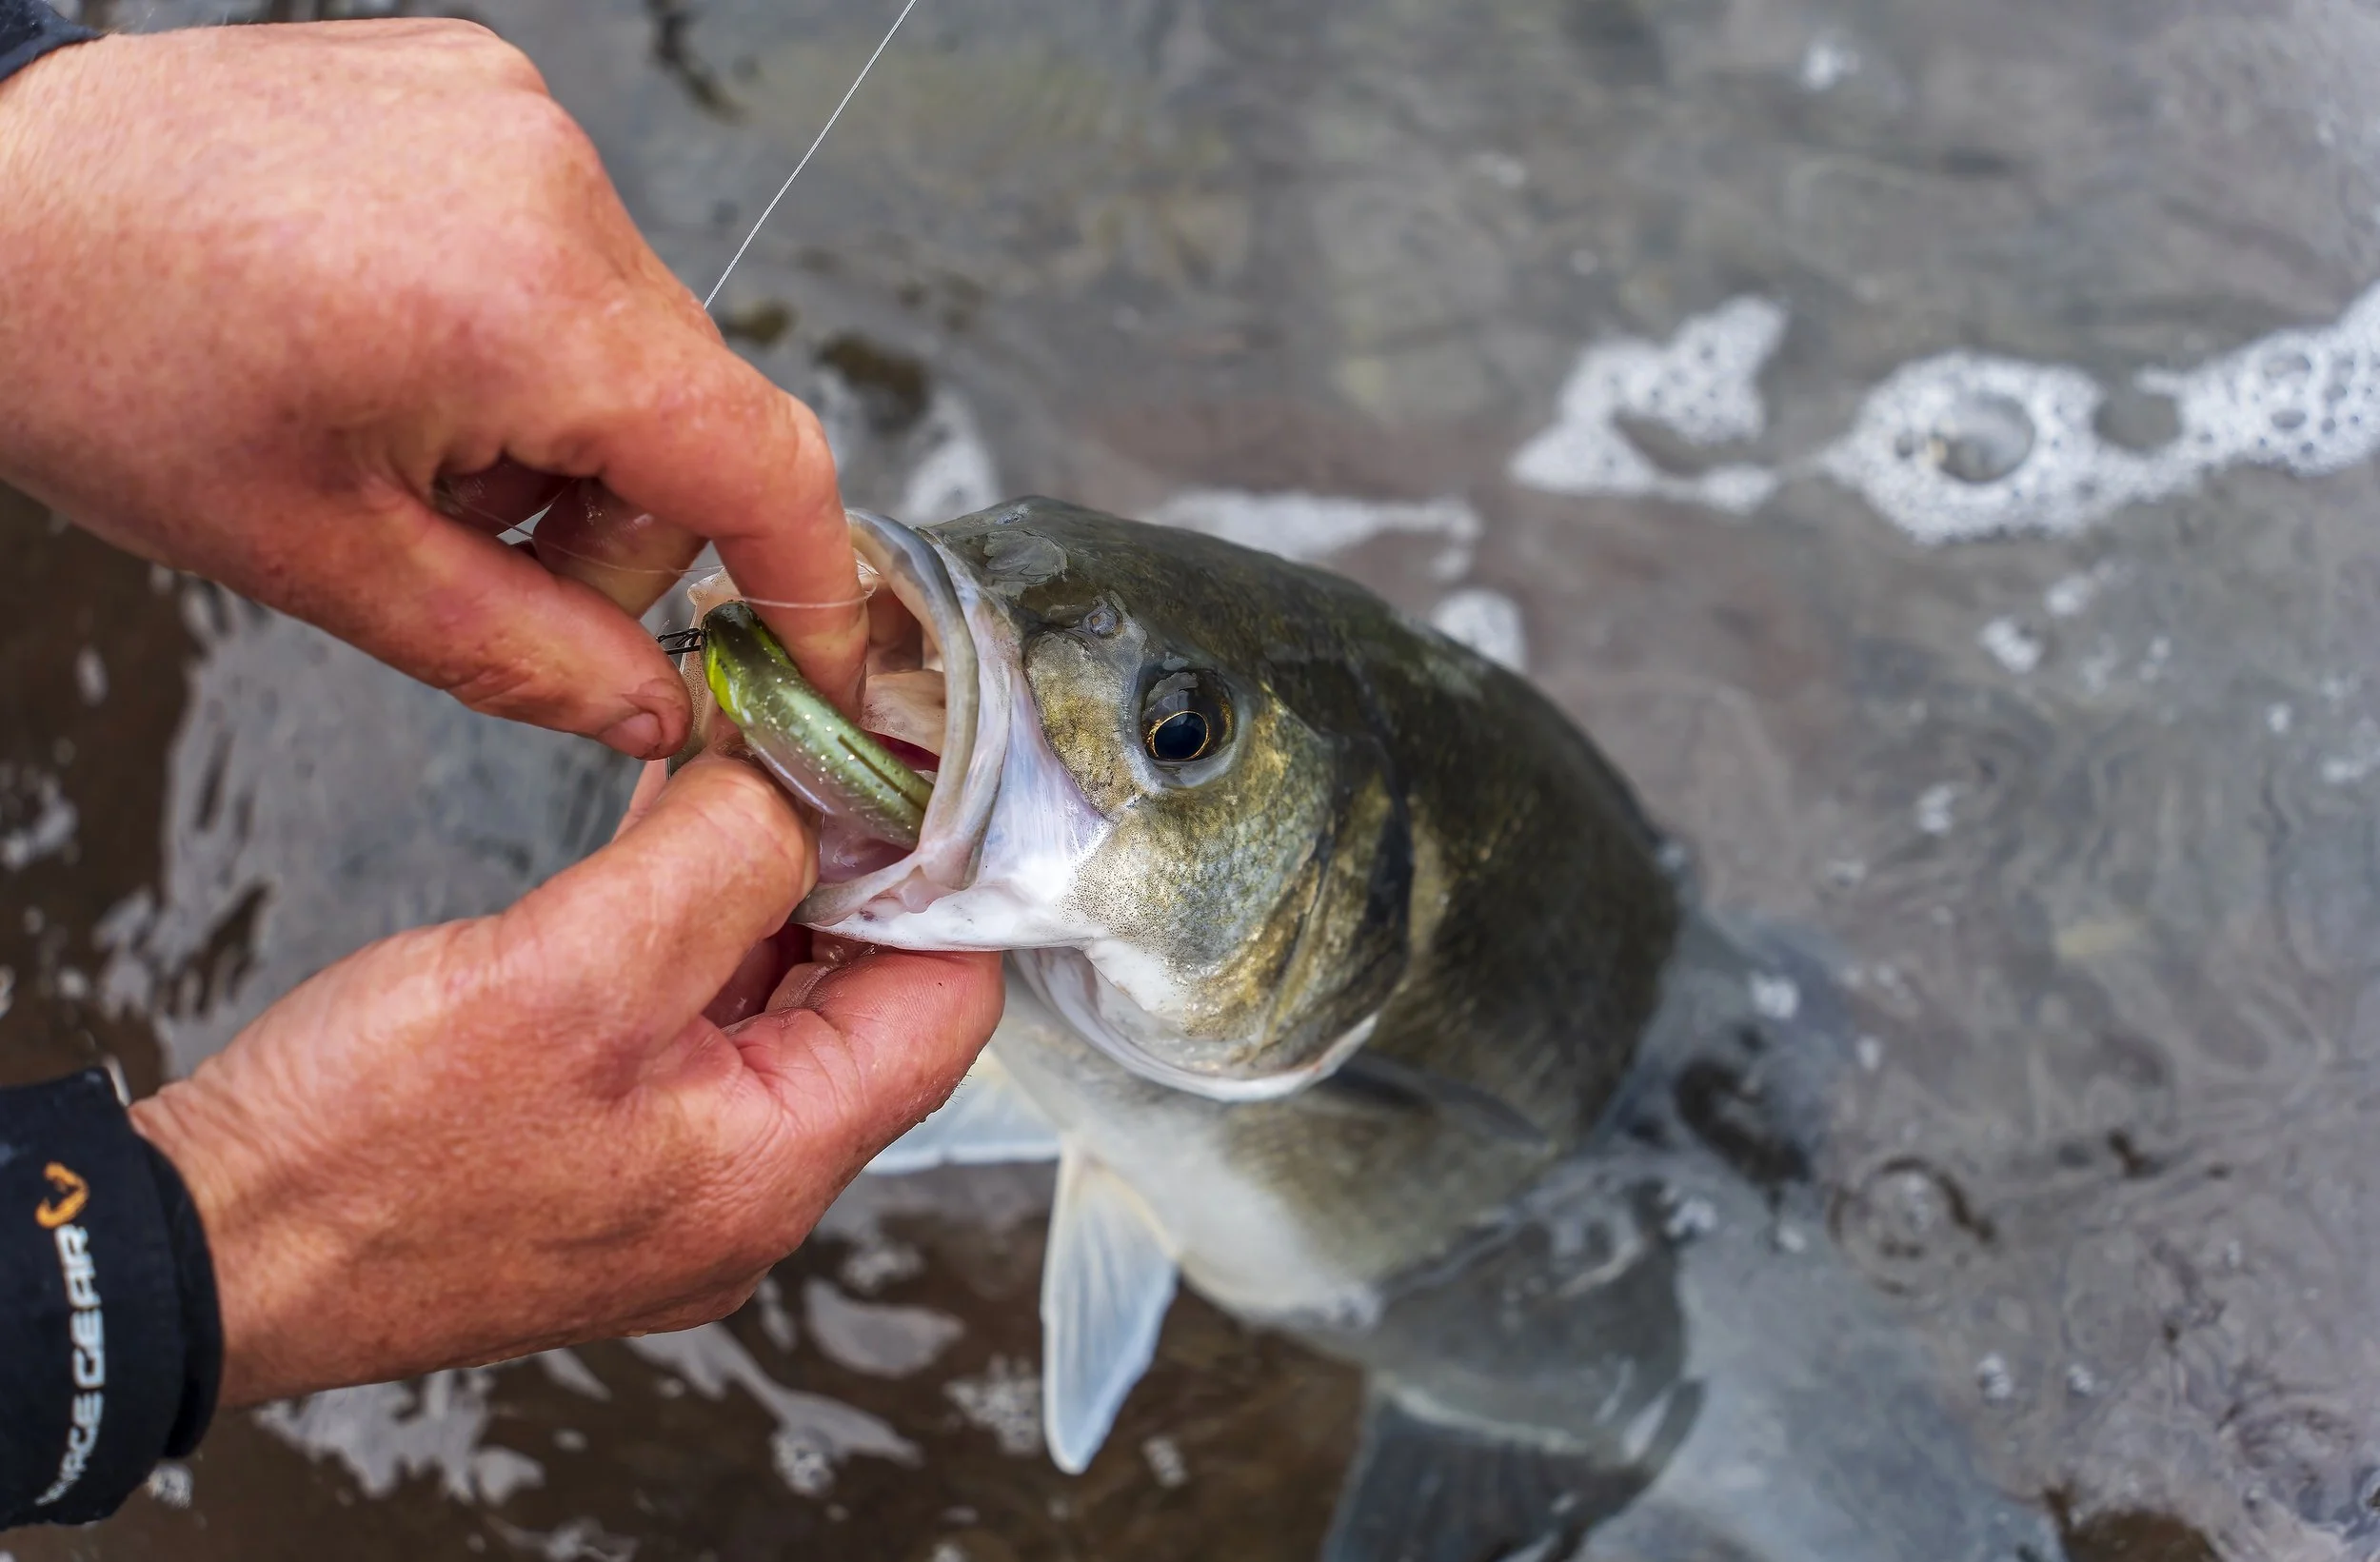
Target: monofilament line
848, 95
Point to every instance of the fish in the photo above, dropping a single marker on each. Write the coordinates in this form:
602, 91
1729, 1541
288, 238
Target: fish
1352, 986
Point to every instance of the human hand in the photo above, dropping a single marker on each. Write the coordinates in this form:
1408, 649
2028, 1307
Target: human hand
316, 311
477, 1141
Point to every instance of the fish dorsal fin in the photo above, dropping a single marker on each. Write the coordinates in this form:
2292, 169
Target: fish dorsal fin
986, 1120
1106, 1285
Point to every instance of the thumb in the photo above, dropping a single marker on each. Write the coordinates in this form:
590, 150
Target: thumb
624, 948
859, 1053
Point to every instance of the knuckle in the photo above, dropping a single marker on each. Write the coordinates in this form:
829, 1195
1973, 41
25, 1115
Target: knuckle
708, 1307
747, 814
803, 432
453, 32
514, 69
812, 469
500, 61
554, 138
498, 686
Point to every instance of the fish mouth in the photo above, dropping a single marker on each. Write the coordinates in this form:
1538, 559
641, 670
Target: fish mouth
947, 623
1006, 826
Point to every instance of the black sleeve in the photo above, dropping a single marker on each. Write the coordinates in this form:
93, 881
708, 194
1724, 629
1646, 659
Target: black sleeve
29, 29
111, 1344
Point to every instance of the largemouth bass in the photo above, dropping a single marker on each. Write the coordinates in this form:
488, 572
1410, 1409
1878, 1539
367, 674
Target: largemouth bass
1350, 984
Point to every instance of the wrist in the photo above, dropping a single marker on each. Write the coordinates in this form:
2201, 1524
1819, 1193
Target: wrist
261, 1275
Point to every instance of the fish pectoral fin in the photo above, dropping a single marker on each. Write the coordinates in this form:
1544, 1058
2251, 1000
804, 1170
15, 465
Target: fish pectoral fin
988, 1120
1106, 1285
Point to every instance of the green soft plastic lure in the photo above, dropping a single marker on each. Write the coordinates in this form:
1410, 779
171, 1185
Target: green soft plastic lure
819, 753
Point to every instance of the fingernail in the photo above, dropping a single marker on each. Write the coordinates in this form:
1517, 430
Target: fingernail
639, 736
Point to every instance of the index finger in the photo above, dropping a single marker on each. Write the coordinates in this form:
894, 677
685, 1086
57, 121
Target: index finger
685, 431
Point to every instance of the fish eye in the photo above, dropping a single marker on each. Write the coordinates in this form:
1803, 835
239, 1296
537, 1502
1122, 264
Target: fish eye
1184, 717
1179, 737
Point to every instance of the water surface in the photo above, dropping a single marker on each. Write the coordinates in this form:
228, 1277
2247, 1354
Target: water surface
1928, 444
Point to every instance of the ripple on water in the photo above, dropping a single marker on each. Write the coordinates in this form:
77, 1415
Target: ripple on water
1909, 1225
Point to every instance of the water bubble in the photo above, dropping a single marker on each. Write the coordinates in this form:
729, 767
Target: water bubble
2070, 595
1933, 809
1686, 1216
804, 1468
90, 676
2282, 368
1005, 1401
1166, 1462
1826, 63
1500, 168
1981, 438
1774, 997
170, 1483
1994, 1380
2012, 644
1701, 385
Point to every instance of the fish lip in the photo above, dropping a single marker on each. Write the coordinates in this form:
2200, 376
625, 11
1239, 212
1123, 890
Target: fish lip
975, 723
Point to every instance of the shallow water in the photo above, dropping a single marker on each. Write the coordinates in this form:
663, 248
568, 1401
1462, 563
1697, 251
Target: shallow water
1928, 444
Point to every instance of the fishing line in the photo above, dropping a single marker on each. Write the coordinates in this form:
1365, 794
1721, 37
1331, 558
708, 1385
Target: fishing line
847, 97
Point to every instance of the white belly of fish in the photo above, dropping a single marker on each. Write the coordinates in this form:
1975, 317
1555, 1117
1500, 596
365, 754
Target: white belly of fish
1146, 1189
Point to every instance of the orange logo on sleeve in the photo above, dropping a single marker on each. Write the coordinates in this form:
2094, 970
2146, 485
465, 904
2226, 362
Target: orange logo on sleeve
73, 1192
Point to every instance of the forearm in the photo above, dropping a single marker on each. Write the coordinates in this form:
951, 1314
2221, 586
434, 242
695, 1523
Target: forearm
111, 1343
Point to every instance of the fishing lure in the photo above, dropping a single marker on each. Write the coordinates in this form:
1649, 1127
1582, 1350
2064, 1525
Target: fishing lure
818, 753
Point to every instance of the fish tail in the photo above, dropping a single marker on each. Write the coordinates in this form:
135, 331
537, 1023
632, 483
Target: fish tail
1420, 1491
